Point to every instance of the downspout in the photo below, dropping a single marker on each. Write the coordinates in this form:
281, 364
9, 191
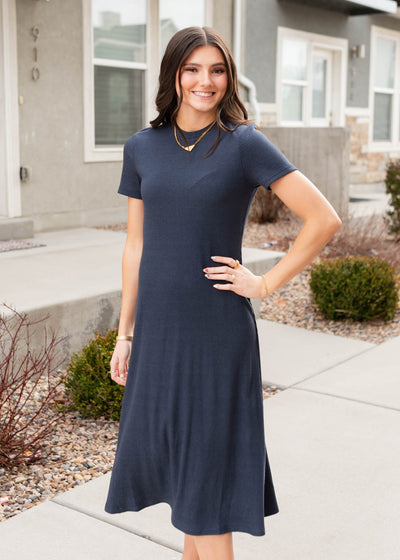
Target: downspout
237, 44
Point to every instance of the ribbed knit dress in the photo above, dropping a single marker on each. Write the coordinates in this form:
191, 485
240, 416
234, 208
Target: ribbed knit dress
192, 429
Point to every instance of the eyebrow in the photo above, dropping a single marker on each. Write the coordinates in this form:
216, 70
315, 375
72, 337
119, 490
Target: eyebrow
196, 64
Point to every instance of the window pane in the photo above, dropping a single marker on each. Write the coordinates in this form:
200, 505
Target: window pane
175, 15
385, 62
119, 29
382, 116
118, 104
294, 60
292, 103
319, 88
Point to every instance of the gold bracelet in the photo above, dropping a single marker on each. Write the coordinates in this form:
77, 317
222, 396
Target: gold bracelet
265, 286
125, 337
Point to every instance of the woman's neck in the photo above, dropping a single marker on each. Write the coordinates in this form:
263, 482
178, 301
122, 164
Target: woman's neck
190, 122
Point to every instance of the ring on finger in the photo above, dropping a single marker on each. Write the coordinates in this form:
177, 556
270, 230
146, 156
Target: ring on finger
237, 263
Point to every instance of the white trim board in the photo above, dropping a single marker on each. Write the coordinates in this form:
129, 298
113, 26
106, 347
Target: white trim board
10, 185
357, 112
268, 108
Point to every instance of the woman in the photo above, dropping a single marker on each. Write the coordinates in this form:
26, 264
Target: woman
191, 430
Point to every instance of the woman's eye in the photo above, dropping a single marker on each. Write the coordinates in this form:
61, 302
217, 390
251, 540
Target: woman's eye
219, 71
190, 69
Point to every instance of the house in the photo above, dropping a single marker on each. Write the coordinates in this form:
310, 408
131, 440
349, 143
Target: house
77, 78
327, 63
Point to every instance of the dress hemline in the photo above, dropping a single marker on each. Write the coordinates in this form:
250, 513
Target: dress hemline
185, 529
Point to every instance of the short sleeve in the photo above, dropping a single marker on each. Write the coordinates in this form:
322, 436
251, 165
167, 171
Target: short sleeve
130, 181
262, 162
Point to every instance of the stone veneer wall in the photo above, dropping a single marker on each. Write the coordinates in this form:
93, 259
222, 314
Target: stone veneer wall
365, 166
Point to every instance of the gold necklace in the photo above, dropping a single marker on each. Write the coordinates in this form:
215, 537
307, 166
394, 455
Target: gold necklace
190, 148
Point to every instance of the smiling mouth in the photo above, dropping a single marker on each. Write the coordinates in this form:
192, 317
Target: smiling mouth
204, 94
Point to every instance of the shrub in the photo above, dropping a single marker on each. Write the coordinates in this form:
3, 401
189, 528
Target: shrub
392, 182
28, 386
360, 288
88, 384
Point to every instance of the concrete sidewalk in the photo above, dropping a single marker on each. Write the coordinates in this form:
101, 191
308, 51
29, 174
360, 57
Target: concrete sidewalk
334, 446
332, 433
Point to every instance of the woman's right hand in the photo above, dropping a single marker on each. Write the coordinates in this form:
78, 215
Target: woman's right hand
120, 361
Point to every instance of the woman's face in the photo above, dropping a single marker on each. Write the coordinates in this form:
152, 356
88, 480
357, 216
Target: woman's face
204, 81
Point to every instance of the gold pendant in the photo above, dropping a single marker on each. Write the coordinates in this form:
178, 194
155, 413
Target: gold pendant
190, 148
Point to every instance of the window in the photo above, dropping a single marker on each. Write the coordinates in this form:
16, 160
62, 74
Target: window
294, 83
175, 15
123, 45
386, 86
310, 79
119, 64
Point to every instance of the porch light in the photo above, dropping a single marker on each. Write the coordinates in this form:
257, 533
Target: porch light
358, 51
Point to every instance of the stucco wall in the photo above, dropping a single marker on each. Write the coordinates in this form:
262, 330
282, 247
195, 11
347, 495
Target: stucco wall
360, 33
64, 191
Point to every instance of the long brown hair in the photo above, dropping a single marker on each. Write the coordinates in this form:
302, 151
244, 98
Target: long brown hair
180, 46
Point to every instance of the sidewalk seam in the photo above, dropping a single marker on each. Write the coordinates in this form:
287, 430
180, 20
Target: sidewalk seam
368, 403
114, 524
333, 366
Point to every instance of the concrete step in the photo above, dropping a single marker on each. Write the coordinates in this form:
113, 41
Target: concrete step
16, 228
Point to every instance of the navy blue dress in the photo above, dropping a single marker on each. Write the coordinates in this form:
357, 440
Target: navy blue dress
191, 430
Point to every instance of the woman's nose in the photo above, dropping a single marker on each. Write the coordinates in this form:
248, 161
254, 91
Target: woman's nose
205, 78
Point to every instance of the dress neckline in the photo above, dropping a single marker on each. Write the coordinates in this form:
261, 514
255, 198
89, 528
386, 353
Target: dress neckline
189, 133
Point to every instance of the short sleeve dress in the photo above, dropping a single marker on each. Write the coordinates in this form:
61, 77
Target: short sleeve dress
191, 431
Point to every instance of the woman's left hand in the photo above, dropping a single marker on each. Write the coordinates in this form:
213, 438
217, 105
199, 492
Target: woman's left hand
241, 280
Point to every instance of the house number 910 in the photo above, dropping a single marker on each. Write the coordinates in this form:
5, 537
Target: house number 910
35, 70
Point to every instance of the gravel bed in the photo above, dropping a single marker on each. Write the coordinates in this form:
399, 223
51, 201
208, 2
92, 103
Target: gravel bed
78, 450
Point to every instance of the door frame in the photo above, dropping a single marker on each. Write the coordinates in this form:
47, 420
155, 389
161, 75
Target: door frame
10, 185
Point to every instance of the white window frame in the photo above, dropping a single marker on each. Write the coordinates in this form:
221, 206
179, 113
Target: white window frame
339, 49
93, 153
394, 143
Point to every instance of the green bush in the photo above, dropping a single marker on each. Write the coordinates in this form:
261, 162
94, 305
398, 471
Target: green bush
359, 288
88, 384
392, 182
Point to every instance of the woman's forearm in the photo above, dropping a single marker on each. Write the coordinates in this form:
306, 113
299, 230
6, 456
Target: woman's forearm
313, 236
130, 279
